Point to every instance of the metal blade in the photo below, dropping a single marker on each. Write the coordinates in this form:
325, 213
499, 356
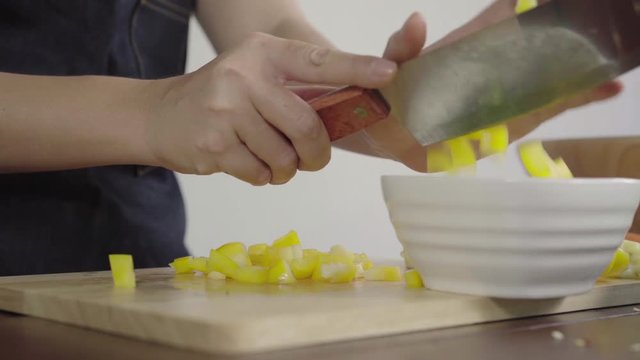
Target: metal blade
515, 67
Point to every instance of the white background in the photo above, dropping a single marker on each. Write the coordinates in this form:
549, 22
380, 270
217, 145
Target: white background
343, 203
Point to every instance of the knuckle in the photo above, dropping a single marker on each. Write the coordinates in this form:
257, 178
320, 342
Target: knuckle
285, 165
306, 125
202, 168
315, 55
214, 142
287, 160
230, 71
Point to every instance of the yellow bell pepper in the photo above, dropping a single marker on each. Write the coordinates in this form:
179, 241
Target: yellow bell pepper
462, 153
303, 268
182, 265
413, 280
280, 273
200, 264
525, 5
258, 254
289, 239
439, 160
383, 273
251, 275
618, 264
222, 264
122, 271
237, 252
538, 163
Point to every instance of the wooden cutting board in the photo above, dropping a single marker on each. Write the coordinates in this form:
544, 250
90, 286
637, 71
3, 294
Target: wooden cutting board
193, 312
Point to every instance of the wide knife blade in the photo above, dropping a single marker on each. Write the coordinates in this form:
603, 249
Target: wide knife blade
499, 73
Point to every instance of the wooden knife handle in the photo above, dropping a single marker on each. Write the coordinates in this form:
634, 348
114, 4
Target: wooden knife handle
350, 109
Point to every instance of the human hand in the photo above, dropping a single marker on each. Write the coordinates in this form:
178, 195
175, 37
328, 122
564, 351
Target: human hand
236, 115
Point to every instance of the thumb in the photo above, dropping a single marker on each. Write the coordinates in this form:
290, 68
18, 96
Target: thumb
406, 43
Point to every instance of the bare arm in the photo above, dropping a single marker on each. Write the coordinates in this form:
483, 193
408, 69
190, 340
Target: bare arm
52, 123
234, 115
227, 23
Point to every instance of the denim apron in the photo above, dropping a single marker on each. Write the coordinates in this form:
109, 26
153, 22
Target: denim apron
66, 221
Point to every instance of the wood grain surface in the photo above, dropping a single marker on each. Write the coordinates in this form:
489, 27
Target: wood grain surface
214, 316
601, 157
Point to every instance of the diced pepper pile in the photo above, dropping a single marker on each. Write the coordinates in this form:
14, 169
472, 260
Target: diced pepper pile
286, 262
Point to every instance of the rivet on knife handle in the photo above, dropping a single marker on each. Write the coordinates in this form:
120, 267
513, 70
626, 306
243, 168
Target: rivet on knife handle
348, 110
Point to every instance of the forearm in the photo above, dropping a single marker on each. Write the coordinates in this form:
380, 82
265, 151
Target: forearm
227, 23
55, 123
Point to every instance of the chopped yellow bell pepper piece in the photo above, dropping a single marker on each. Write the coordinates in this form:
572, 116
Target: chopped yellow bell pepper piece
494, 140
286, 253
525, 5
339, 253
462, 153
363, 260
310, 253
222, 264
214, 275
383, 273
182, 265
258, 254
237, 252
631, 247
200, 264
251, 275
536, 160
618, 264
439, 160
122, 271
280, 273
303, 268
334, 272
561, 170
289, 239
538, 163
413, 280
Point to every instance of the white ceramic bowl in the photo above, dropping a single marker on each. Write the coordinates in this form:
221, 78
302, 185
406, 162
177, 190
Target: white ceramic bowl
524, 238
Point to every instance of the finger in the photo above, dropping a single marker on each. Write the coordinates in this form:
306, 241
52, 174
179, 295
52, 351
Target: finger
407, 42
244, 165
298, 122
309, 92
522, 126
607, 90
300, 61
270, 146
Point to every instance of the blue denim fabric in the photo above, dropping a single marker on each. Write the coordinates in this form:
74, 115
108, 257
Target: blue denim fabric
67, 221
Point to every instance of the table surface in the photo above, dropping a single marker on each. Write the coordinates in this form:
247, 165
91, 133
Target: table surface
612, 333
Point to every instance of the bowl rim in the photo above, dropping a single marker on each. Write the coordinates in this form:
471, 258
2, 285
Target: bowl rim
509, 180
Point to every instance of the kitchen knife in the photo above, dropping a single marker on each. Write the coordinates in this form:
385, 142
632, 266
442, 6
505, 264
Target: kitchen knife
498, 73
